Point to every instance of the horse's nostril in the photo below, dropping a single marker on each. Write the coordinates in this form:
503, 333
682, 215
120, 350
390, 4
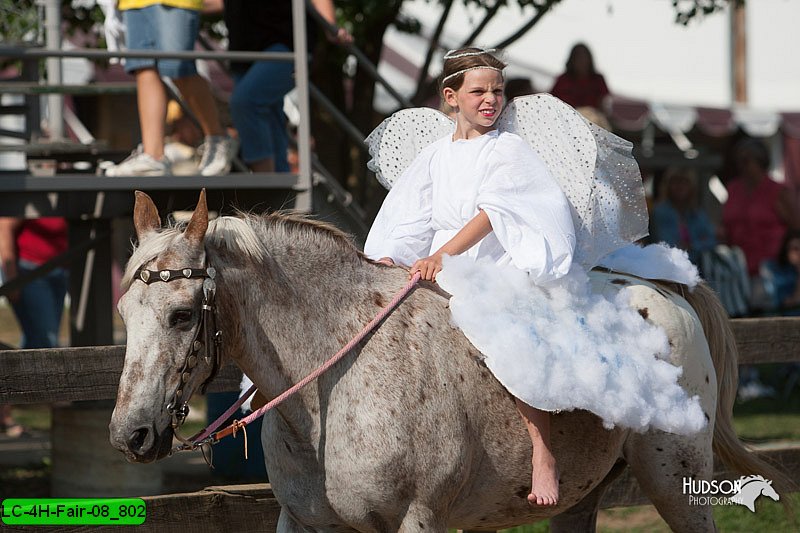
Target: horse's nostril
138, 442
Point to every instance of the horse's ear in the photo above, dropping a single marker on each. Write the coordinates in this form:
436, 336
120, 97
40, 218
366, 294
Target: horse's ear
196, 230
145, 216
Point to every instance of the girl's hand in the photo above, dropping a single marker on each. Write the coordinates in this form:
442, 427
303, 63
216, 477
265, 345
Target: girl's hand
388, 261
428, 267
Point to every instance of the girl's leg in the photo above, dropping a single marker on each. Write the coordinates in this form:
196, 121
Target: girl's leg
544, 483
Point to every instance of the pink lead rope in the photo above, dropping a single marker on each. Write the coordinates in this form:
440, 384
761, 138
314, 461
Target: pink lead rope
207, 436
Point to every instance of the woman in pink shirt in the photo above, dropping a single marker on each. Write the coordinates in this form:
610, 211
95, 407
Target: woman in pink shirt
759, 210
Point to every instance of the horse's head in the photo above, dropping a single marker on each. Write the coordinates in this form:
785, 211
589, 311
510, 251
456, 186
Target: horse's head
171, 337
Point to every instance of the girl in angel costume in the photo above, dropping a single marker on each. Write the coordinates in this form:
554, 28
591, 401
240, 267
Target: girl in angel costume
508, 209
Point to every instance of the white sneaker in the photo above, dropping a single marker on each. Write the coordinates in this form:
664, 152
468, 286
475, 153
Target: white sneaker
140, 164
217, 155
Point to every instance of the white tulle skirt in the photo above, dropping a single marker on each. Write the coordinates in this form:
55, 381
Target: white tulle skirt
561, 347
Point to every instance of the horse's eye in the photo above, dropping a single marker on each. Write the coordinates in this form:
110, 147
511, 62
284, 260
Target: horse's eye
180, 317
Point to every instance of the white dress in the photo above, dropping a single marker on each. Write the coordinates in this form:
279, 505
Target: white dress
520, 295
450, 181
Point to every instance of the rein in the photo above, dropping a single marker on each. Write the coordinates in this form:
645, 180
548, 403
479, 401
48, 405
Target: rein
208, 435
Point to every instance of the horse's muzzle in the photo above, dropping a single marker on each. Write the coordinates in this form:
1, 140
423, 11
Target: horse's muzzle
143, 444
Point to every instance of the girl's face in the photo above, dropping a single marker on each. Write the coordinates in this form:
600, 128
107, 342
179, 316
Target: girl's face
477, 102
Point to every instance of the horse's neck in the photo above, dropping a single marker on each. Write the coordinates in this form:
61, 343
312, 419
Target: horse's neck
288, 317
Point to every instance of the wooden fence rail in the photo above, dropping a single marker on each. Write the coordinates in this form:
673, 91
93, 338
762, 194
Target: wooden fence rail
92, 373
72, 374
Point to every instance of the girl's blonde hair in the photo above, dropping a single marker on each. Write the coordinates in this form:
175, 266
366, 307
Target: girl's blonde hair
459, 62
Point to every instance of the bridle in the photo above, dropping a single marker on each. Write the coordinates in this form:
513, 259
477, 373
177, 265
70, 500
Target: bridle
207, 338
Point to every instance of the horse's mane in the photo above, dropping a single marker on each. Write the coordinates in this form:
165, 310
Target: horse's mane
294, 223
247, 233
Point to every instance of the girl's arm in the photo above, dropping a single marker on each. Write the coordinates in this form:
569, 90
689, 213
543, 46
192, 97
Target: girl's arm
475, 230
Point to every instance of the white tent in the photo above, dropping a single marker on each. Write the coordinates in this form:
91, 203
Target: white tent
662, 74
636, 44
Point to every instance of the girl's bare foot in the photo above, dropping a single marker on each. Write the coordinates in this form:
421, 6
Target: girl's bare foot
544, 483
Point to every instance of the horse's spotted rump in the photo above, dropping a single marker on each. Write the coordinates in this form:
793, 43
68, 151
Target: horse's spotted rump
644, 312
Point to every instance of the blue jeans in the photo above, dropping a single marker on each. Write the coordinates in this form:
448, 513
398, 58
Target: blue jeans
166, 29
39, 307
257, 110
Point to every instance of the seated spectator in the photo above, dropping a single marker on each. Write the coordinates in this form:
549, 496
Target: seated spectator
758, 212
677, 219
782, 275
581, 85
782, 279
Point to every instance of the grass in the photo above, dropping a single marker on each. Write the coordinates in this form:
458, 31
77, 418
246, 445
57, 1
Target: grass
769, 517
32, 481
33, 416
771, 418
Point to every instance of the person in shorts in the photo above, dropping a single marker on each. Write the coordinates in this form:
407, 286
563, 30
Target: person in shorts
168, 25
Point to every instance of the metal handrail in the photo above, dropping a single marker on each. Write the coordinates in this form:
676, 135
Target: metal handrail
349, 128
91, 53
224, 56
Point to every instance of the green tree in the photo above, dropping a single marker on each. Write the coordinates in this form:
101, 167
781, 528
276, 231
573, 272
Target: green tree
688, 10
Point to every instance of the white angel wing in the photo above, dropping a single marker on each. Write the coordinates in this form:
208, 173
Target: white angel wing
395, 143
595, 168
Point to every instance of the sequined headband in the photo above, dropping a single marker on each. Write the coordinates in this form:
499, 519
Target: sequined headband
451, 54
463, 70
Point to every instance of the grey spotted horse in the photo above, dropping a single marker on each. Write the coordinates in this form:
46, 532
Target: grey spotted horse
410, 431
